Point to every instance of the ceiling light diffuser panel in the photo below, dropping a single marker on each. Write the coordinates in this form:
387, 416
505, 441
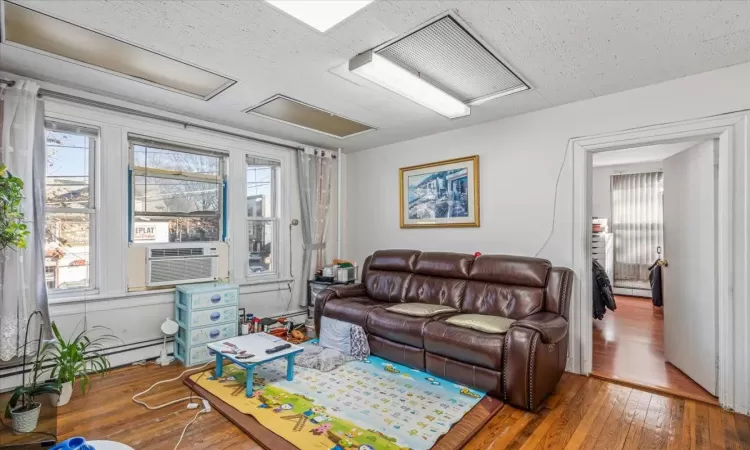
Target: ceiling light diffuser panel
293, 112
320, 14
45, 34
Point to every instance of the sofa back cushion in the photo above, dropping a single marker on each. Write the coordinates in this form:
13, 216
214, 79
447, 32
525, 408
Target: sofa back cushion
508, 286
439, 278
388, 272
499, 285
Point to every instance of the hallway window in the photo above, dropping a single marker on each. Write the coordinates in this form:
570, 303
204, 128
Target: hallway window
638, 226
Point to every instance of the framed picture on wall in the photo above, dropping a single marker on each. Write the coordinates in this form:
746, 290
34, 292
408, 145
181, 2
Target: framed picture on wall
440, 194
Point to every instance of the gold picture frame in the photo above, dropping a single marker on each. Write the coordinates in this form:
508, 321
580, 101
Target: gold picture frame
433, 198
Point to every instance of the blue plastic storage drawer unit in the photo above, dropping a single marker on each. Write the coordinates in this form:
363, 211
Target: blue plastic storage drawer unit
206, 312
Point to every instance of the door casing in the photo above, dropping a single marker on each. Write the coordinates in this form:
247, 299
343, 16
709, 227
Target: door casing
731, 132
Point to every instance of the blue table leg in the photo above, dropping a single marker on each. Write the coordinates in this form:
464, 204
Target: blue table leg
219, 365
249, 383
290, 367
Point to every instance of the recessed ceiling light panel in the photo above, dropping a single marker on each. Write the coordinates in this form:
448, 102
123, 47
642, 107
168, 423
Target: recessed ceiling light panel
293, 112
320, 14
39, 32
449, 56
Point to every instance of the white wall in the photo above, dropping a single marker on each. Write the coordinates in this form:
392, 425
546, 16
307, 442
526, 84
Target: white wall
601, 197
520, 158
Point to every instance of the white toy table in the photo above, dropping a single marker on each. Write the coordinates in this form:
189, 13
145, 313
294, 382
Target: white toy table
255, 344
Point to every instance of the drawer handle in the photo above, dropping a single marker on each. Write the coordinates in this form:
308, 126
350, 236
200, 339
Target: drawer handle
215, 316
211, 352
216, 298
214, 333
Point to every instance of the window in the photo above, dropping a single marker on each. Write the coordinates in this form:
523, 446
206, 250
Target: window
70, 205
177, 193
262, 215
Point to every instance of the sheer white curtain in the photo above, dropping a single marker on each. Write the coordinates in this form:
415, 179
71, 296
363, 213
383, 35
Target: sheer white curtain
638, 226
314, 177
22, 286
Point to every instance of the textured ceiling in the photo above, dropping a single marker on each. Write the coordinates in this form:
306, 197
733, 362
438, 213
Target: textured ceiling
567, 51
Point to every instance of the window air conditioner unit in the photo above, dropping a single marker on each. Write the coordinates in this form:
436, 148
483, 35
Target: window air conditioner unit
180, 263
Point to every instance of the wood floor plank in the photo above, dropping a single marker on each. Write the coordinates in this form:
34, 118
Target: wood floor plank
657, 417
600, 408
562, 430
742, 425
615, 428
731, 440
702, 427
583, 413
639, 419
715, 428
675, 437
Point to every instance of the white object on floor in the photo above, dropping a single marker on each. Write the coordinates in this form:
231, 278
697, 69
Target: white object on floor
108, 445
168, 328
335, 334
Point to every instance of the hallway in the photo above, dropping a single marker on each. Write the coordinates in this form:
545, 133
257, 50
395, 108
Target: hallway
629, 347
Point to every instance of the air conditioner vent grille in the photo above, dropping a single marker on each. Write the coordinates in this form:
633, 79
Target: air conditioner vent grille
173, 270
176, 252
446, 55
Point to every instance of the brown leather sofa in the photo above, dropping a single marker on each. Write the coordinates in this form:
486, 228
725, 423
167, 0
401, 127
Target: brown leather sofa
522, 365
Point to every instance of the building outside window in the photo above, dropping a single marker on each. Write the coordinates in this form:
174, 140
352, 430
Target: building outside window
70, 205
262, 215
177, 193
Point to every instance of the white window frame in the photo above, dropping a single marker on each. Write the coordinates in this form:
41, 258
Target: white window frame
91, 210
133, 140
275, 218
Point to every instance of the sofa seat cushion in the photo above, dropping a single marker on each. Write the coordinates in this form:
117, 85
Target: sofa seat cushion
481, 322
420, 309
352, 309
464, 344
398, 327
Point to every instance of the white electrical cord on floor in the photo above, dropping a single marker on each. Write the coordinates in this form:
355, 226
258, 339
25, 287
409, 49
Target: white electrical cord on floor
206, 406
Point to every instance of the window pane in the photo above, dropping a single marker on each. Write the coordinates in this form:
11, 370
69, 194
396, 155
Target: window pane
174, 161
68, 175
175, 229
66, 262
260, 239
166, 195
260, 185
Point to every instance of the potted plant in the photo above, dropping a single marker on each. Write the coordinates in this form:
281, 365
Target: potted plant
76, 358
22, 409
13, 230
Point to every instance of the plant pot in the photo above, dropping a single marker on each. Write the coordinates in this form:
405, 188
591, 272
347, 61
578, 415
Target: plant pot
25, 421
66, 390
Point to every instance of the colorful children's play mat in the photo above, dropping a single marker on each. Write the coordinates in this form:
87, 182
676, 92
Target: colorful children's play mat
366, 405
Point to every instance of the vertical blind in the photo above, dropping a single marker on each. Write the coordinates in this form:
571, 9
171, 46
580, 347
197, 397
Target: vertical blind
638, 226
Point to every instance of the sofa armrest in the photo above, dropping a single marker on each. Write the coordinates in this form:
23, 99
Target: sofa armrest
551, 327
336, 291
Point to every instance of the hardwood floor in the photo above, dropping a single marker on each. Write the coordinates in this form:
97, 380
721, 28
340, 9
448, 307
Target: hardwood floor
629, 346
583, 413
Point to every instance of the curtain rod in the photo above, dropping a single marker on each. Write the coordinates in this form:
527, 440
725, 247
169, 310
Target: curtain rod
135, 112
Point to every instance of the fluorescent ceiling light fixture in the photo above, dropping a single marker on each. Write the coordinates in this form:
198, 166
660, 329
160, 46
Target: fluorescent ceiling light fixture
320, 14
31, 30
395, 78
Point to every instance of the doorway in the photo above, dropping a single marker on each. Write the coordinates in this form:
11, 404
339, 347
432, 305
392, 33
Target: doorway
732, 253
637, 194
